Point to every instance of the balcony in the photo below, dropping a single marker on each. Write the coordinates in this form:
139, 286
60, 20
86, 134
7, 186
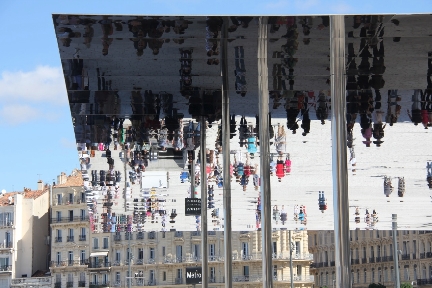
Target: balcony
81, 284
211, 233
28, 282
6, 268
69, 201
196, 234
421, 282
98, 285
69, 219
406, 257
178, 281
82, 237
379, 259
69, 284
117, 237
371, 259
96, 265
70, 238
422, 255
364, 260
332, 263
429, 255
7, 224
140, 236
58, 239
57, 285
355, 261
6, 245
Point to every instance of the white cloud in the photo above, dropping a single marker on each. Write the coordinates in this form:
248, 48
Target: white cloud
44, 84
17, 114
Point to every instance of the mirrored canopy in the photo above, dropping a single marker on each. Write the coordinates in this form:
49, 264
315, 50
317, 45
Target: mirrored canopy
139, 85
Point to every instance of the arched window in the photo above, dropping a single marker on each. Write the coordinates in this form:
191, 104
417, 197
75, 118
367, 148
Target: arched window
386, 275
392, 276
424, 272
373, 275
364, 276
358, 276
415, 271
379, 275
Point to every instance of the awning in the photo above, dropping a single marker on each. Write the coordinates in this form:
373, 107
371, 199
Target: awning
98, 254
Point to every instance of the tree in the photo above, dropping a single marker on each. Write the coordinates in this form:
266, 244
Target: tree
406, 285
374, 285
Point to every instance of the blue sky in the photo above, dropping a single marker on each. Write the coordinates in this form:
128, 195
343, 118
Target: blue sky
37, 140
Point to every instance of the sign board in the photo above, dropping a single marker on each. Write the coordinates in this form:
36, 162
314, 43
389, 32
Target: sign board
193, 275
192, 206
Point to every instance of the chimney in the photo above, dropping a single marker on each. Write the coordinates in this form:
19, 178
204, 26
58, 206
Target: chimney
40, 185
61, 179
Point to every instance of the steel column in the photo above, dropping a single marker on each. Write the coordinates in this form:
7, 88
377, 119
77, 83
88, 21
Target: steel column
395, 250
203, 181
264, 136
226, 154
339, 152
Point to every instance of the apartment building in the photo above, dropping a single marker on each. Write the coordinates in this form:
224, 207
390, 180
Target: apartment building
69, 226
23, 233
372, 257
160, 258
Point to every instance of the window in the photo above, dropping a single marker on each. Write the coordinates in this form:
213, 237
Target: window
152, 276
58, 257
364, 276
82, 215
70, 198
59, 199
82, 277
140, 253
274, 248
358, 276
297, 248
105, 278
275, 271
196, 251
372, 252
117, 277
58, 213
71, 216
105, 243
163, 251
415, 272
152, 253
83, 256
299, 270
83, 232
71, 235
128, 254
164, 276
70, 257
386, 275
212, 275
245, 250
373, 275
179, 273
118, 256
406, 272
379, 275
246, 271
392, 276
212, 250
70, 278
95, 243
59, 235
58, 278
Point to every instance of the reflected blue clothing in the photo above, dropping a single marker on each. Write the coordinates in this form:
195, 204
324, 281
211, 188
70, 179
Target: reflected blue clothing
251, 146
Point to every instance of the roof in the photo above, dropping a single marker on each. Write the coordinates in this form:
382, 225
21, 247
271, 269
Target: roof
73, 180
28, 194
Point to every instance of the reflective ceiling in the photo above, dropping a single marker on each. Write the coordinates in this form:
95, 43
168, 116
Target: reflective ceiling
138, 85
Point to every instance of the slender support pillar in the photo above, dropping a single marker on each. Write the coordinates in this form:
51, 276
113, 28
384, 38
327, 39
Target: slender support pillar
226, 155
395, 251
291, 262
192, 176
339, 151
204, 247
266, 210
